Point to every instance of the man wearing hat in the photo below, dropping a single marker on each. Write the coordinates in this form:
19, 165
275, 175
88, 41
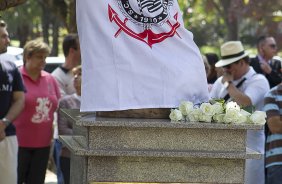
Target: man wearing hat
240, 83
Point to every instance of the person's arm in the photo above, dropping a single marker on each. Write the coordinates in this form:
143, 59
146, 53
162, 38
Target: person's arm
15, 109
17, 105
2, 135
273, 77
238, 96
273, 74
275, 124
63, 123
235, 94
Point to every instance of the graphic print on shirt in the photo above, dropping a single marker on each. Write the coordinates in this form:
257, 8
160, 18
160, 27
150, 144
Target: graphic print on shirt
7, 83
10, 77
42, 110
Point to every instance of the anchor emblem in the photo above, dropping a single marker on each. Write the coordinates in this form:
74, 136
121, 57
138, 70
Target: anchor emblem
145, 13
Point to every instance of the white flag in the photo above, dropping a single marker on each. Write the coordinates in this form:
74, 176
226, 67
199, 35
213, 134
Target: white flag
137, 54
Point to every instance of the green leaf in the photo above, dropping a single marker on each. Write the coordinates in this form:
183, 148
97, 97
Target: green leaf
249, 109
214, 100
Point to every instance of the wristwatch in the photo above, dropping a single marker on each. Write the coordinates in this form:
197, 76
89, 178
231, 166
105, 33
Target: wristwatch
226, 84
6, 121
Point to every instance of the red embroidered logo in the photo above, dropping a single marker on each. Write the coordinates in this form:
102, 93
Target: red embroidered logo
149, 14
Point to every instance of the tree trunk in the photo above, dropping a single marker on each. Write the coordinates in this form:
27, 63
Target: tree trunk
23, 33
232, 27
72, 17
230, 18
45, 22
55, 42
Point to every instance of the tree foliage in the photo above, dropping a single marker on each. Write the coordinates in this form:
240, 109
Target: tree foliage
41, 18
5, 4
215, 21
23, 21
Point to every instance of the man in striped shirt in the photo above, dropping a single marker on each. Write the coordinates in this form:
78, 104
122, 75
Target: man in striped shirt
273, 108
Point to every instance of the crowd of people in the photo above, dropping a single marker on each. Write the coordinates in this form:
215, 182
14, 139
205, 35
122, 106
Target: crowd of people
30, 99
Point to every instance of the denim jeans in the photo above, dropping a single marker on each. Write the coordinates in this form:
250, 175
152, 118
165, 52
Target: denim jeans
56, 155
274, 174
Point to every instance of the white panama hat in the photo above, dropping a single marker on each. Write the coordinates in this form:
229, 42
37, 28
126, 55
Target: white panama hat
231, 52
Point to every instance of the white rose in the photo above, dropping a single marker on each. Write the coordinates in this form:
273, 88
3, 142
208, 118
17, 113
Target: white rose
232, 105
231, 115
243, 117
186, 107
218, 118
258, 117
207, 109
175, 115
194, 115
240, 118
206, 118
217, 108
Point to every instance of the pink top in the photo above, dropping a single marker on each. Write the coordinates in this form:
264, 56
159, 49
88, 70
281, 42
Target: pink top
34, 124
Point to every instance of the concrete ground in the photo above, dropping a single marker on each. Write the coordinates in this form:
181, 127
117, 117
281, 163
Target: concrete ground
51, 178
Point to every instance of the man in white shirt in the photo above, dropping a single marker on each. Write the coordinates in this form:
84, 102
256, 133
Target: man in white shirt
240, 83
63, 73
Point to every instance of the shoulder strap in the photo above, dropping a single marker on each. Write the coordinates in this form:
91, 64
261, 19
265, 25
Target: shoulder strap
227, 96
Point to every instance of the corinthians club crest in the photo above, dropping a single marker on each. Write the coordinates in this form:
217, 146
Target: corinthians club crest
148, 14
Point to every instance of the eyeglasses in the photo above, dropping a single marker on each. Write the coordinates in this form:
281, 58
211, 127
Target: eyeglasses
227, 66
273, 46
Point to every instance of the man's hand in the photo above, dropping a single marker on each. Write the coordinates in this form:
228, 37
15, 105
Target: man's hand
265, 67
227, 77
2, 130
275, 124
2, 135
2, 126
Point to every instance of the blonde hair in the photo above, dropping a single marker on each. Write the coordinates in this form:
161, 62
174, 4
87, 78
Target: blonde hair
35, 46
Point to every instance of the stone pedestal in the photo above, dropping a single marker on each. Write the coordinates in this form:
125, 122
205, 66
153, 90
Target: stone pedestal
156, 150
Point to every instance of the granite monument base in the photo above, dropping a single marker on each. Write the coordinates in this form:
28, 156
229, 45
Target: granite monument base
156, 150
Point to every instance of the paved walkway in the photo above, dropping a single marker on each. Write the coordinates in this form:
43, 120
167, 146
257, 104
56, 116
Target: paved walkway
51, 178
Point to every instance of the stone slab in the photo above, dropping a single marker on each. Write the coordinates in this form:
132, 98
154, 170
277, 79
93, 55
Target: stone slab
78, 169
78, 149
158, 134
165, 170
90, 120
156, 166
170, 139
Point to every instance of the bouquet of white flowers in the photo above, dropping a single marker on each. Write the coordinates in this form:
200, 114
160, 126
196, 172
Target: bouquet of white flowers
216, 111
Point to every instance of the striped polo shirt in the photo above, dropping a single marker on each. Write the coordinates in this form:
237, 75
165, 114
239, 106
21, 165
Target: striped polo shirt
273, 107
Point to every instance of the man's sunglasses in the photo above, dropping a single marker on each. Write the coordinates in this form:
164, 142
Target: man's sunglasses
227, 66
